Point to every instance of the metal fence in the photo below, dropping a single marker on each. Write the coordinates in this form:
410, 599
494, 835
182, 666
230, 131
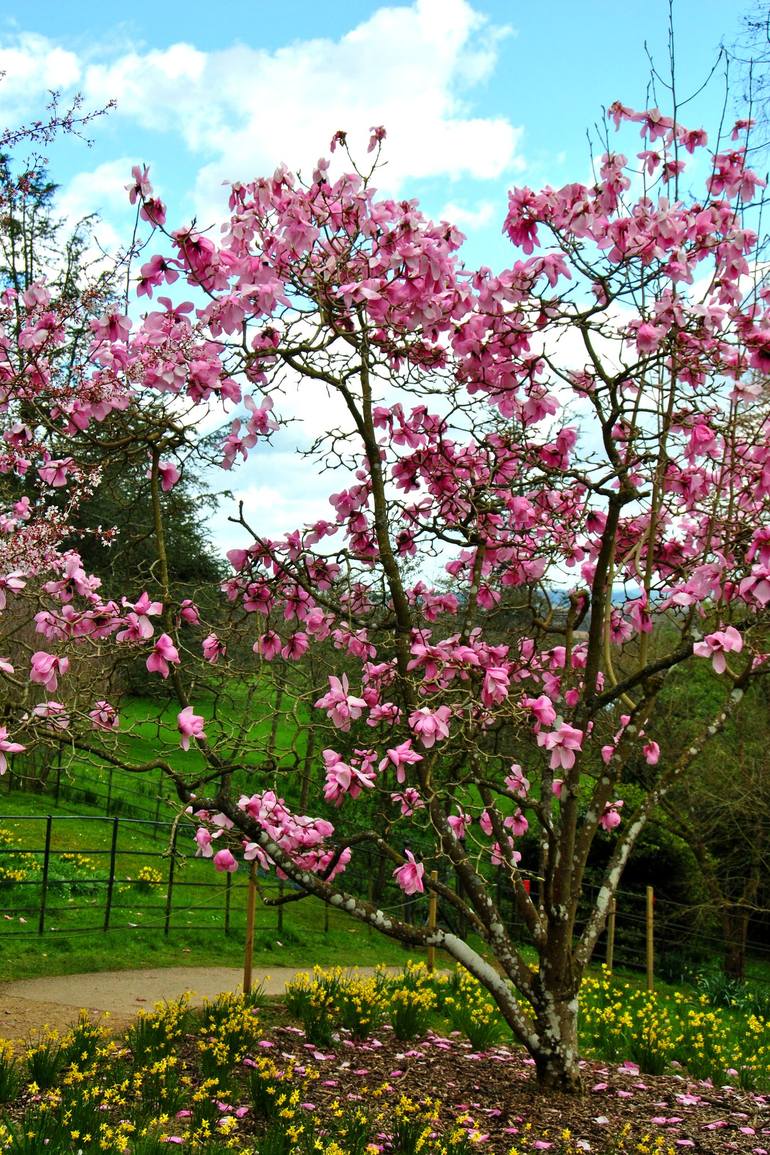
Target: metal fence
70, 874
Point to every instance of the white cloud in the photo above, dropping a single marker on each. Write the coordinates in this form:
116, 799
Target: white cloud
280, 491
102, 191
470, 218
242, 110
32, 66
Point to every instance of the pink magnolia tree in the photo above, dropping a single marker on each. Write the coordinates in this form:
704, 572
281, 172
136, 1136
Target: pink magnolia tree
582, 436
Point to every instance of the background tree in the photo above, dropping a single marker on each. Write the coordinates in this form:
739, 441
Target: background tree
723, 813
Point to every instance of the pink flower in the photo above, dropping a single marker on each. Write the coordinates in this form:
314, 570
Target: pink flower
458, 824
651, 753
562, 743
45, 669
190, 726
213, 649
542, 708
430, 725
54, 473
204, 837
409, 876
516, 783
224, 861
400, 756
717, 645
409, 801
268, 645
55, 714
496, 683
164, 652
188, 612
341, 706
7, 747
342, 779
516, 823
169, 475
104, 716
611, 816
13, 582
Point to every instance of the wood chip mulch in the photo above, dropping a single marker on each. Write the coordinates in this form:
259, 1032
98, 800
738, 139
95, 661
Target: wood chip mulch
497, 1090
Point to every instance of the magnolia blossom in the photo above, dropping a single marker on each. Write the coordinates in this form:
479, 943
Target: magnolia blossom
400, 756
213, 649
224, 861
7, 747
458, 824
189, 612
342, 779
104, 716
190, 725
429, 725
563, 743
204, 839
498, 857
164, 652
45, 669
611, 816
169, 475
516, 823
409, 801
516, 782
717, 645
651, 751
340, 705
409, 876
496, 684
13, 582
54, 713
542, 708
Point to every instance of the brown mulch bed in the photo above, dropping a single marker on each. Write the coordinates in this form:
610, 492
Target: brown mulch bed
497, 1090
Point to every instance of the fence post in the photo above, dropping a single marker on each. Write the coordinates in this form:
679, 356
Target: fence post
251, 903
650, 942
611, 934
111, 879
432, 911
44, 884
170, 890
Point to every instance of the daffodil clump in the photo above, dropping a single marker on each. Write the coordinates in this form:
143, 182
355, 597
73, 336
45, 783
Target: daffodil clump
470, 1010
147, 878
620, 1021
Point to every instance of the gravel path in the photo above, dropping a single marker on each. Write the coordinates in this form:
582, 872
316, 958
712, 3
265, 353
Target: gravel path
29, 1004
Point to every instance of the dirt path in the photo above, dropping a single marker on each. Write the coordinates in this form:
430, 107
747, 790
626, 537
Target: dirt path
29, 1004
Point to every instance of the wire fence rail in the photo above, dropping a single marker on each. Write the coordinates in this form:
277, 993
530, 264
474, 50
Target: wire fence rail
74, 874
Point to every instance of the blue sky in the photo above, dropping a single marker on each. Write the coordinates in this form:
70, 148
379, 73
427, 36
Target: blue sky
476, 95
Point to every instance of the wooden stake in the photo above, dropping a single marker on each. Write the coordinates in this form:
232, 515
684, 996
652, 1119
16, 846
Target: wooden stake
251, 903
611, 935
432, 911
650, 943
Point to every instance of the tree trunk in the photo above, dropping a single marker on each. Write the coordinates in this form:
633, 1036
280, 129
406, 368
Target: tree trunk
557, 1056
735, 925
